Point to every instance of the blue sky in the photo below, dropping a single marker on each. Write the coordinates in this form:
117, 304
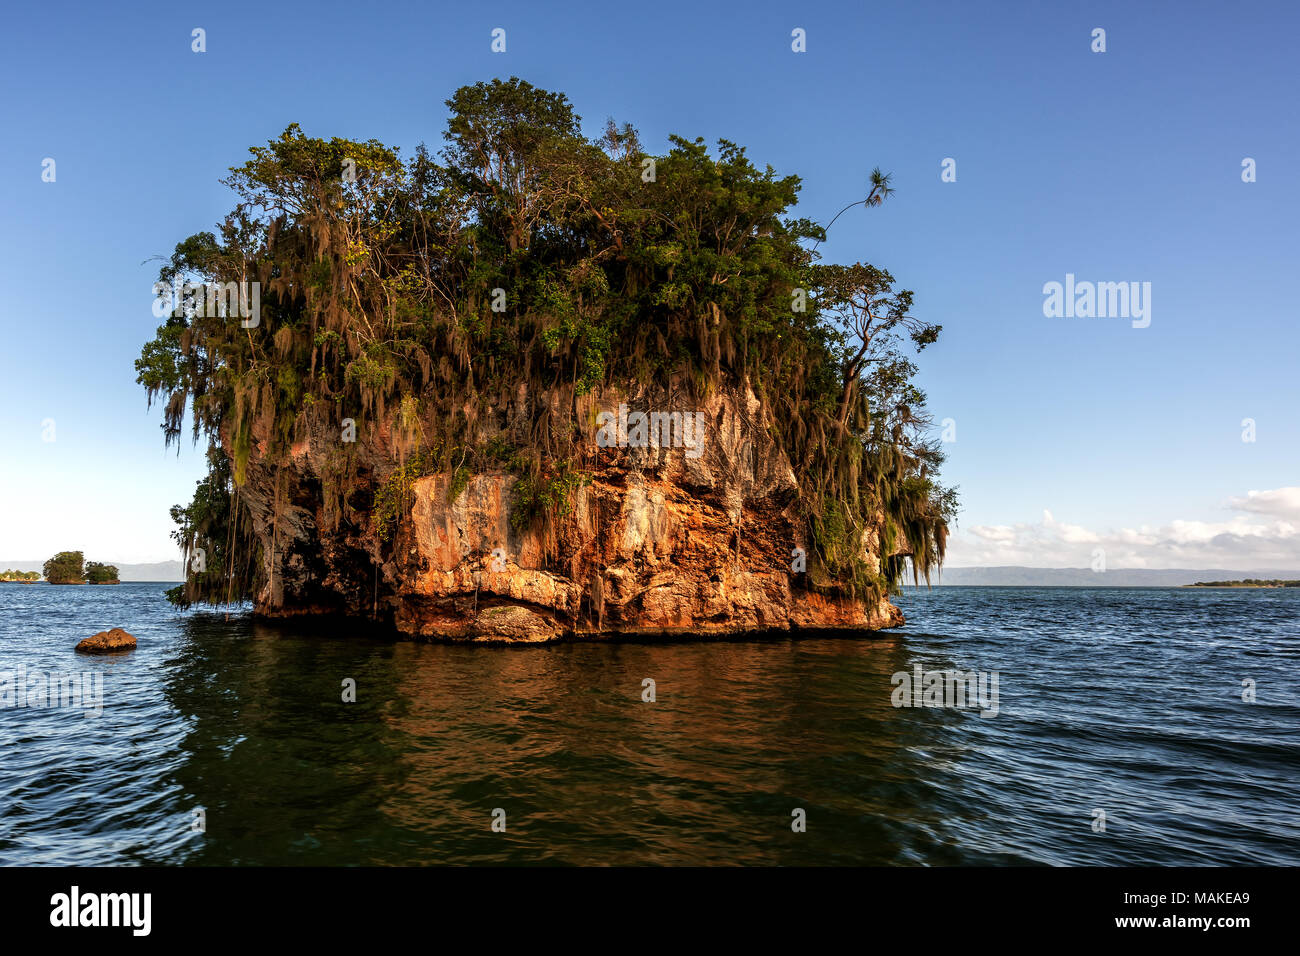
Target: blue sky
1072, 433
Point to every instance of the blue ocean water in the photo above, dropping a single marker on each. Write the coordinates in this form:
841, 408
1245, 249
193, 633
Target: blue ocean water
1116, 705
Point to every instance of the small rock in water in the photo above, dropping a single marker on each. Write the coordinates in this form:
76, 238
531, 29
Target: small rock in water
107, 642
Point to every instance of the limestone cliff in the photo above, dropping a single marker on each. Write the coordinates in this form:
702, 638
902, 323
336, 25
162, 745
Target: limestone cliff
667, 537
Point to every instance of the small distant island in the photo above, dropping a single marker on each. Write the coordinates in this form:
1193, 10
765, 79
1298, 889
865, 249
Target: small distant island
97, 573
1246, 583
19, 577
71, 567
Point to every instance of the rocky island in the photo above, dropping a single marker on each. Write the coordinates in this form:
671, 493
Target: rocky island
9, 576
547, 387
99, 573
71, 567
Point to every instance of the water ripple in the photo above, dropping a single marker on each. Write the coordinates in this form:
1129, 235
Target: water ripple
1124, 701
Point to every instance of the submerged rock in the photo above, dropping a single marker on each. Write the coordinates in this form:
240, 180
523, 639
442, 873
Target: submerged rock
107, 642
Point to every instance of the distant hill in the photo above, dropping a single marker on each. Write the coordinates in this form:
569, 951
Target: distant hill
158, 571
1011, 576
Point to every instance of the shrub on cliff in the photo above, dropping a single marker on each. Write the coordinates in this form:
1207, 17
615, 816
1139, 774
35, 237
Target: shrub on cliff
429, 291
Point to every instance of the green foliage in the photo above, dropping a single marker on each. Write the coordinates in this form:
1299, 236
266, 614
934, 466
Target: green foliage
8, 575
214, 540
97, 573
379, 288
545, 496
394, 495
65, 568
459, 482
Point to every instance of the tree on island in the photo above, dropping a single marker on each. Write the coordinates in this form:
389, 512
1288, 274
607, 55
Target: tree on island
9, 575
97, 573
66, 568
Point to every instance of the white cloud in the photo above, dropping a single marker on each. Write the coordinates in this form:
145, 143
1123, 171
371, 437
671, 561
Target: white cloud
1279, 503
1267, 535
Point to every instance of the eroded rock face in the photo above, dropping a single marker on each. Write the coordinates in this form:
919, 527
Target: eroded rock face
107, 642
671, 537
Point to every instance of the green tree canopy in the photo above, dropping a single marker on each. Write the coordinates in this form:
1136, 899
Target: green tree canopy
8, 575
65, 568
97, 573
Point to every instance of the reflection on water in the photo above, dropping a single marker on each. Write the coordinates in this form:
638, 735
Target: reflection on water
1109, 699
559, 737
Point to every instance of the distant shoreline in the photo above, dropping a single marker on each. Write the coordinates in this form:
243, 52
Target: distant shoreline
1240, 587
1098, 587
91, 583
1018, 575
